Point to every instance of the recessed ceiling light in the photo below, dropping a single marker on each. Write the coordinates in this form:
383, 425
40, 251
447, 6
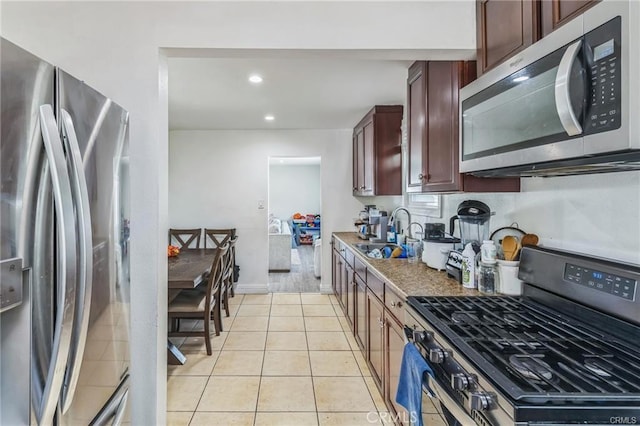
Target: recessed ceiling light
255, 78
521, 78
269, 117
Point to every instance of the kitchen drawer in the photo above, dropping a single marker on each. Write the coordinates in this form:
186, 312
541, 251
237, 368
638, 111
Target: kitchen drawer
394, 304
360, 268
349, 256
342, 248
376, 286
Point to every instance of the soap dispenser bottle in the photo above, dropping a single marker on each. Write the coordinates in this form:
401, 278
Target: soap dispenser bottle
391, 234
469, 267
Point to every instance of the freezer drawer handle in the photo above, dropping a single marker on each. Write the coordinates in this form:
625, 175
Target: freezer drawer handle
115, 406
85, 273
66, 269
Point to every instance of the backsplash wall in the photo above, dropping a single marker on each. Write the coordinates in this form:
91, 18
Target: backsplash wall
594, 214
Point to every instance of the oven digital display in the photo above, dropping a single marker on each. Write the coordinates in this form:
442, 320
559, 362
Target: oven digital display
608, 283
603, 50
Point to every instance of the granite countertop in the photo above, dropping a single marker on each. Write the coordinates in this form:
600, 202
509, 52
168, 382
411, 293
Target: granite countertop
409, 279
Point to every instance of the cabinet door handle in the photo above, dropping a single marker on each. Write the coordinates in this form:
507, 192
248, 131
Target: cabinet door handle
395, 304
355, 188
362, 188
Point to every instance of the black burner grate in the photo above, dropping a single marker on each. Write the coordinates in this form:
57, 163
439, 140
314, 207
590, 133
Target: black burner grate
533, 353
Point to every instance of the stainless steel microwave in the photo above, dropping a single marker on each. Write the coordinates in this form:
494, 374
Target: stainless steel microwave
568, 104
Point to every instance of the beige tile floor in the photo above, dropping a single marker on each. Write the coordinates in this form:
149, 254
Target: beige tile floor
283, 359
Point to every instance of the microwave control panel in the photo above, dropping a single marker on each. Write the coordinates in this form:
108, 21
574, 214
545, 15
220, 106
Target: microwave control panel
602, 54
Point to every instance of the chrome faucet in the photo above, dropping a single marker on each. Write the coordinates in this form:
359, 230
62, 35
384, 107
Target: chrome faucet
421, 229
393, 219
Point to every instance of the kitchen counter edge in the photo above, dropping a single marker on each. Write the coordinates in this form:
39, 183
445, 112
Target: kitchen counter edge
407, 279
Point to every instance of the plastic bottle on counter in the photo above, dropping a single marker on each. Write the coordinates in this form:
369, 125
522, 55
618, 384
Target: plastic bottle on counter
488, 251
469, 267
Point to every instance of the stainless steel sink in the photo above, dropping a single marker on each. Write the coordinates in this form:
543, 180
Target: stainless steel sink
366, 248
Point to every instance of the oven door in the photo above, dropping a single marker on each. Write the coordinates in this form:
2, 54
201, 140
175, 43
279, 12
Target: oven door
447, 407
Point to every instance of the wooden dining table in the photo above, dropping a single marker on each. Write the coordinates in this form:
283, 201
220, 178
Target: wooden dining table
186, 271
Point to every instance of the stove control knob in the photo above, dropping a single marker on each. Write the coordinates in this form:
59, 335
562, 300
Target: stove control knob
437, 355
481, 401
462, 381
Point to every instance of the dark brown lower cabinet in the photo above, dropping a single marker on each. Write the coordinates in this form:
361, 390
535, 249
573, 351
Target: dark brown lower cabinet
361, 311
337, 267
375, 313
375, 338
349, 283
394, 348
344, 293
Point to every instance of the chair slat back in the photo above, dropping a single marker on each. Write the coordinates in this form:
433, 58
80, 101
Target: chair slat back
216, 275
185, 238
229, 259
218, 237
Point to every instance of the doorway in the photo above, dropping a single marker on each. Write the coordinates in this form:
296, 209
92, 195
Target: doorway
295, 223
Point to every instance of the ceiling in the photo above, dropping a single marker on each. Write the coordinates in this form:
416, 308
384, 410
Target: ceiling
300, 92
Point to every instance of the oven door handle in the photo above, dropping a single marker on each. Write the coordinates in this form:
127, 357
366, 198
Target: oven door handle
456, 410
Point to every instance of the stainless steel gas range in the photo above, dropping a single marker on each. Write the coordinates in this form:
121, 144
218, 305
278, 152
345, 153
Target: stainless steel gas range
566, 352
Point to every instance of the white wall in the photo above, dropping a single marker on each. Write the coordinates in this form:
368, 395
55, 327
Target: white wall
217, 177
294, 188
116, 47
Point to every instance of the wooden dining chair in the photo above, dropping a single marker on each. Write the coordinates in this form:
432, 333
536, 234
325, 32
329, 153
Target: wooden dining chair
232, 251
214, 238
185, 237
198, 305
227, 276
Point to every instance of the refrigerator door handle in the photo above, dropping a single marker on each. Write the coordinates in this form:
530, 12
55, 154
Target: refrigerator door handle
66, 268
85, 246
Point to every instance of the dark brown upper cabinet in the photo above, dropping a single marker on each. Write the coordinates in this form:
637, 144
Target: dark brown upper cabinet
377, 153
504, 28
433, 130
555, 13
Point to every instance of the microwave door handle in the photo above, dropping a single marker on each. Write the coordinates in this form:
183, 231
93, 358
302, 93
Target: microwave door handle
85, 246
567, 117
66, 266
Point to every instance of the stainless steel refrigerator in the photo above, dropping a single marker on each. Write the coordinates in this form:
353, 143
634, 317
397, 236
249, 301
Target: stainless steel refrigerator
64, 247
